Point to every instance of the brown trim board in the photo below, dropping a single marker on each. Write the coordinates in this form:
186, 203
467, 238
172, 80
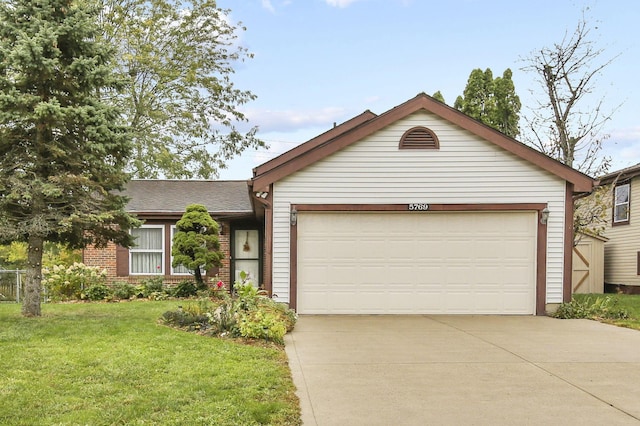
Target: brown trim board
293, 265
541, 244
313, 152
568, 244
312, 143
268, 245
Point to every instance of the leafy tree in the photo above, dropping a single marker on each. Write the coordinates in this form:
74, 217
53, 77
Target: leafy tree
196, 244
61, 152
564, 124
493, 102
177, 58
14, 255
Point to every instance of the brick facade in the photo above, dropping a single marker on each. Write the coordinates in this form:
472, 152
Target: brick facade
103, 258
108, 259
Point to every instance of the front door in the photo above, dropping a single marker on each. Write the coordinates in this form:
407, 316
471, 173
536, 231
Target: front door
246, 255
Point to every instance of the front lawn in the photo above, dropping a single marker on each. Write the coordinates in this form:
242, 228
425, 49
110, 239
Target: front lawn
630, 303
112, 363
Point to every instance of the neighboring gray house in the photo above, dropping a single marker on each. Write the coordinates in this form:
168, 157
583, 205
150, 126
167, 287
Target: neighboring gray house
622, 250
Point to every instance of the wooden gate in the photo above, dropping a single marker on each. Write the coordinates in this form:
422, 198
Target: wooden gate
588, 265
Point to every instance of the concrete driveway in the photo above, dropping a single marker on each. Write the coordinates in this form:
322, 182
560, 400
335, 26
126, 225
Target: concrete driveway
464, 370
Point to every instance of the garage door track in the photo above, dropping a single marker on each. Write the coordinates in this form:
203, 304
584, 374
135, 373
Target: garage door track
464, 370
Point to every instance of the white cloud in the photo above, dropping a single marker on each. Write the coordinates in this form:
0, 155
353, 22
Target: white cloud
372, 99
267, 5
623, 146
340, 3
286, 121
631, 133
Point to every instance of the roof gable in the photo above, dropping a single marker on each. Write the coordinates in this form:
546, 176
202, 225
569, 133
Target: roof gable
326, 144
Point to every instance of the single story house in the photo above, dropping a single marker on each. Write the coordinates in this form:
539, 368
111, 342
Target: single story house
622, 250
160, 204
419, 210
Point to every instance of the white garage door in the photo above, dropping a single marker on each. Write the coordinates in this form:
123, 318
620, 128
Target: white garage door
411, 263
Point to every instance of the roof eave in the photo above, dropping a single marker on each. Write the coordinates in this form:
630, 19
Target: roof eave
309, 153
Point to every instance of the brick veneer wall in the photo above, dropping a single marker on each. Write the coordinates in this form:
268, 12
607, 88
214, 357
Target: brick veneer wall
224, 272
107, 258
103, 258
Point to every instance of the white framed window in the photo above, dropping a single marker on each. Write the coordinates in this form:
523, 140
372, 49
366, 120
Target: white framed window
621, 203
181, 269
147, 256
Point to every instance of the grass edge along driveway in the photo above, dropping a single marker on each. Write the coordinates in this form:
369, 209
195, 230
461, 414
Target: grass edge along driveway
112, 363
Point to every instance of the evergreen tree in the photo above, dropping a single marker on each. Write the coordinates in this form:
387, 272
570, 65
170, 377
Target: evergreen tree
493, 102
505, 116
438, 97
62, 153
195, 244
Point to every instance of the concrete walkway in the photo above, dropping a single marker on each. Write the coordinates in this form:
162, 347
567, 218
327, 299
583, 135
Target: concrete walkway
464, 370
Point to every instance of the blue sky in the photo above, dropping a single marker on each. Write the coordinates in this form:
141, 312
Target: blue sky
323, 61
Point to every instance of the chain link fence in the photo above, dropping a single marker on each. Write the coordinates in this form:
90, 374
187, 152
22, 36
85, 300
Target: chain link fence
11, 285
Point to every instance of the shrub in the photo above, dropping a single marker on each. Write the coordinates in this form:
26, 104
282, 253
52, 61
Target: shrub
602, 307
97, 292
198, 307
282, 311
64, 283
181, 318
259, 324
248, 313
152, 285
248, 296
157, 295
123, 290
185, 288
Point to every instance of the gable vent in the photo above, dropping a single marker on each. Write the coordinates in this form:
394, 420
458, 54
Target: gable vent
419, 138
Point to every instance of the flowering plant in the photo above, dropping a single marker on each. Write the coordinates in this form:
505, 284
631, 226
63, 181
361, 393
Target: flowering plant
65, 283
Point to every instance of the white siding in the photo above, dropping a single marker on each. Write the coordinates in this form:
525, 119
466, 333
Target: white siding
621, 251
466, 169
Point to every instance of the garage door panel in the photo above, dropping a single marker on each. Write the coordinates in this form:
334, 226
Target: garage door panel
416, 263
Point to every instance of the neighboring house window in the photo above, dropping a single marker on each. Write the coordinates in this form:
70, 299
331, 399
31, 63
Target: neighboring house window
181, 269
621, 204
419, 138
147, 256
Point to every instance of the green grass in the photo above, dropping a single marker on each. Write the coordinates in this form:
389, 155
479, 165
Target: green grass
628, 302
113, 364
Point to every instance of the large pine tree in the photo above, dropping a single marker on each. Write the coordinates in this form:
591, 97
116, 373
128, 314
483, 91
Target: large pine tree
62, 151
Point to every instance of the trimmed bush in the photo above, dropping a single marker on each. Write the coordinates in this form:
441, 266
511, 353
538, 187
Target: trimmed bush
97, 292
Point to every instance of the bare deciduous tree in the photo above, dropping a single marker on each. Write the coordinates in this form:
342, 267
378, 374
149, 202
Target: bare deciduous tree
567, 122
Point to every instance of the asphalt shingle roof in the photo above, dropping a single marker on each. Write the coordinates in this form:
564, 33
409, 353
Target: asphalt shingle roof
626, 173
173, 196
